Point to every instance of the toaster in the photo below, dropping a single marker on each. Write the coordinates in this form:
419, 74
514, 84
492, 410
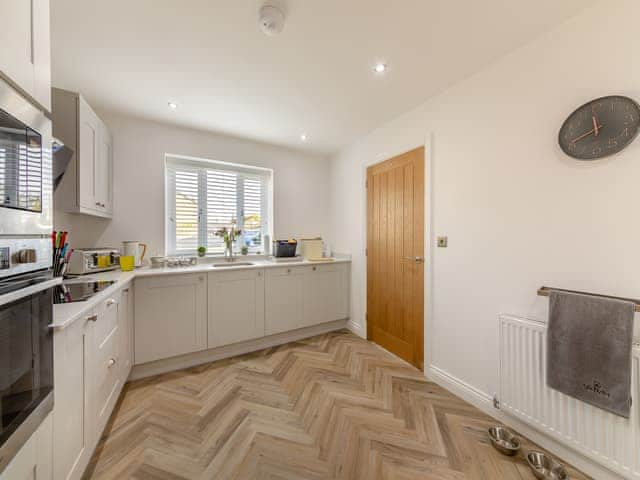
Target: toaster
93, 260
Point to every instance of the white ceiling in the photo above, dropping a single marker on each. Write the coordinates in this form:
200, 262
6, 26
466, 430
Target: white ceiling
210, 57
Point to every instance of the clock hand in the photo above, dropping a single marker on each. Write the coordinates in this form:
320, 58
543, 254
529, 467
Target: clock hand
598, 127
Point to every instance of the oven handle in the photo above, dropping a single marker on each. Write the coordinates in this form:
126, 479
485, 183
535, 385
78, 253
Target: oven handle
28, 291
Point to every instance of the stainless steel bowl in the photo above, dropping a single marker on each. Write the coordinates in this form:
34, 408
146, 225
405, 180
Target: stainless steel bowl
546, 468
504, 441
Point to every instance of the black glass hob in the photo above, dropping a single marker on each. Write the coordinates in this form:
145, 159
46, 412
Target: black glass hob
78, 291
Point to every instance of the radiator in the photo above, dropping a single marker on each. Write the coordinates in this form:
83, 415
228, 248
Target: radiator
612, 441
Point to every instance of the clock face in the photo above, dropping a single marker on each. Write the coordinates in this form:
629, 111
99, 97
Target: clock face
600, 128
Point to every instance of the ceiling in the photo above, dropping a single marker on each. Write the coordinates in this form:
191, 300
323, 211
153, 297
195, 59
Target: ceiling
316, 77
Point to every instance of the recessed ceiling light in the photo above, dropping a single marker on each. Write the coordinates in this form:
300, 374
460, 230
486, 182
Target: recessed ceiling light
304, 137
172, 105
380, 68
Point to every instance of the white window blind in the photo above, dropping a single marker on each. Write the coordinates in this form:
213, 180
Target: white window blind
205, 196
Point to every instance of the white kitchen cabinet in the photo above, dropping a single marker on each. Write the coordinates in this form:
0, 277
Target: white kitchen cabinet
125, 314
87, 185
325, 293
34, 460
72, 415
284, 299
236, 306
25, 58
104, 362
170, 316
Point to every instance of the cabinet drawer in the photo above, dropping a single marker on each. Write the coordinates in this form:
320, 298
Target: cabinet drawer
106, 318
105, 377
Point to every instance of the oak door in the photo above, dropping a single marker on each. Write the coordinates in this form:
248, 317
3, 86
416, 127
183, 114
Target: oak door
395, 254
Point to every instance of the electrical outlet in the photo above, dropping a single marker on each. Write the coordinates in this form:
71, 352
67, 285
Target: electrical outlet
443, 242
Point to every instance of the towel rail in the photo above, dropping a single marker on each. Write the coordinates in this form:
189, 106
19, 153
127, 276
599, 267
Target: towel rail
546, 291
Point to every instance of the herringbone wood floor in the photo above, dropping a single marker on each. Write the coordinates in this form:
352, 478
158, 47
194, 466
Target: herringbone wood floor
329, 407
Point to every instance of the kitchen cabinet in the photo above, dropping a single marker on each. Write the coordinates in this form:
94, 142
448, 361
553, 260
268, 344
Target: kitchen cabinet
87, 185
303, 296
88, 380
125, 313
236, 306
34, 460
284, 300
105, 358
324, 294
25, 59
72, 415
170, 316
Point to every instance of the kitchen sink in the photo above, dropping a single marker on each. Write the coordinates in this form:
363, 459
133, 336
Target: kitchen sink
233, 264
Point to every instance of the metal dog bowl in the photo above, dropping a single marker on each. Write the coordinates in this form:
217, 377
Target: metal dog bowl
546, 468
504, 441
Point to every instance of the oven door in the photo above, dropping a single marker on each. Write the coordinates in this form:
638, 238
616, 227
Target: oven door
26, 363
25, 167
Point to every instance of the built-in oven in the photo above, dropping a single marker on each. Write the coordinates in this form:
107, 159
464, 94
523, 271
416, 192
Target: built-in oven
26, 358
26, 283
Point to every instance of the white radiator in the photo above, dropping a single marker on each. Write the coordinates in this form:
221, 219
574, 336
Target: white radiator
610, 440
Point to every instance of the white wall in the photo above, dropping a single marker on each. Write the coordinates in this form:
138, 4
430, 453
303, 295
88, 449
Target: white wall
519, 214
300, 183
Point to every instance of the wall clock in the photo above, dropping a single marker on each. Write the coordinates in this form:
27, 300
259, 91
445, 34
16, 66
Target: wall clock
600, 128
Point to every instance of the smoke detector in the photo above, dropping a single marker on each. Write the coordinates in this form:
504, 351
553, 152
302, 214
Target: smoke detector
271, 20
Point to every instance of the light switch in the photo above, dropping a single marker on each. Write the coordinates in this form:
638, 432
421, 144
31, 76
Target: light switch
442, 242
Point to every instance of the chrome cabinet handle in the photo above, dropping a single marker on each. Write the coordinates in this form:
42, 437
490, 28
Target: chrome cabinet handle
110, 301
288, 270
92, 318
111, 362
314, 269
415, 259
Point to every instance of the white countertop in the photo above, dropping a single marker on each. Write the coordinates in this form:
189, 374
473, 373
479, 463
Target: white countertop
66, 313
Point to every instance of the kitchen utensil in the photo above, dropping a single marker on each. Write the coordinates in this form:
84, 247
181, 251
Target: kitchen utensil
132, 248
546, 468
158, 262
504, 441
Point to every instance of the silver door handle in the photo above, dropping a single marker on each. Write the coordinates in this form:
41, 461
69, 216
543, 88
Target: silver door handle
415, 259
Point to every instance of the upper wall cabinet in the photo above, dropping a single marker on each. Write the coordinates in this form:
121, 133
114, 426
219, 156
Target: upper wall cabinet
25, 58
87, 185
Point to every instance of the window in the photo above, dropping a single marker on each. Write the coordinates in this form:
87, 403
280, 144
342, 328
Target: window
202, 196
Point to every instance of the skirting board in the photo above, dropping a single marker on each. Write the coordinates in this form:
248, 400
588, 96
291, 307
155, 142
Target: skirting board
484, 402
198, 358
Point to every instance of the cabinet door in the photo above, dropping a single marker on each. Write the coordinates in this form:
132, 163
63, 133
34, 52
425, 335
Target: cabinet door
71, 416
170, 316
125, 322
16, 53
41, 53
236, 306
283, 299
105, 357
88, 124
103, 170
323, 294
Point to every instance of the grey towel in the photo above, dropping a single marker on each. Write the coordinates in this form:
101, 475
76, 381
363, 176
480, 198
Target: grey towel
589, 341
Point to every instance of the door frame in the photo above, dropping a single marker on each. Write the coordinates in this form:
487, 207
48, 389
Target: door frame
429, 241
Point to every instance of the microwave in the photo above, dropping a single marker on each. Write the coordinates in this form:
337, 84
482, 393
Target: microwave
26, 207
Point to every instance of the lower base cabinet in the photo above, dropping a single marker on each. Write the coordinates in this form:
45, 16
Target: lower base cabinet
303, 296
236, 306
88, 378
170, 316
34, 461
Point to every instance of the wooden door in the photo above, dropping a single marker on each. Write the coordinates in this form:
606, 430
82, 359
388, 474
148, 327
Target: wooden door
395, 253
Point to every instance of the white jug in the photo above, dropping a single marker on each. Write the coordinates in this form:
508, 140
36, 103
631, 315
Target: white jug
131, 248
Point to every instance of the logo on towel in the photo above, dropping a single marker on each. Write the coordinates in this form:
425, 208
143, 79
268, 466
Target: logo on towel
597, 388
